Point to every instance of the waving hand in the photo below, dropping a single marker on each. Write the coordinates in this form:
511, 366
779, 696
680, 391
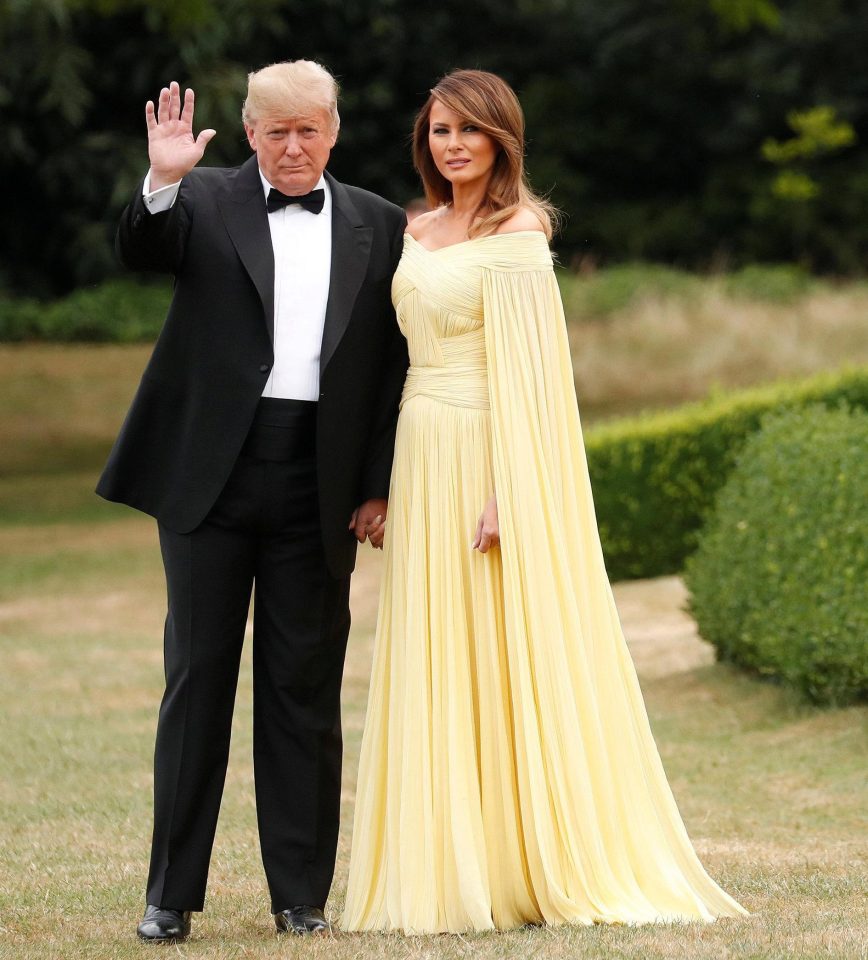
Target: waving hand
172, 148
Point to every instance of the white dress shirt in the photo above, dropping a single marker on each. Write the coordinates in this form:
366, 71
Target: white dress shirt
302, 244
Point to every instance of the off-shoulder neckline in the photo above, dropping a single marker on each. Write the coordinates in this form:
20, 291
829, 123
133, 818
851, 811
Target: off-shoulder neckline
463, 243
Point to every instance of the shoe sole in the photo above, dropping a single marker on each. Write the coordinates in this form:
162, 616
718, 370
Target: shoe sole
304, 932
180, 939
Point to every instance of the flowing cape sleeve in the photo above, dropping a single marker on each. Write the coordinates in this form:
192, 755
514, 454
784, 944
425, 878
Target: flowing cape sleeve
586, 761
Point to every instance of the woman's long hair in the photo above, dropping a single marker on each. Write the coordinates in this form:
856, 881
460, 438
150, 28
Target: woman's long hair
490, 104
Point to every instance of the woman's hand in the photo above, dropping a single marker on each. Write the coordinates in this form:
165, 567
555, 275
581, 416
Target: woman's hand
487, 530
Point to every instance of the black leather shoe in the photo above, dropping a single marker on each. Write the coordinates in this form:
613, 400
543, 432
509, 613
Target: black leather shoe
302, 920
162, 925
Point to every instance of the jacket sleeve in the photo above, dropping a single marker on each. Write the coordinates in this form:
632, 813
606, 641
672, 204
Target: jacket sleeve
155, 241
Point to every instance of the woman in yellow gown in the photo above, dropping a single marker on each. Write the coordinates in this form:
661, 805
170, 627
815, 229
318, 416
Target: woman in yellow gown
508, 774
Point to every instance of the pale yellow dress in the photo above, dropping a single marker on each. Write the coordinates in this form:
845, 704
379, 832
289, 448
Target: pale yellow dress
508, 774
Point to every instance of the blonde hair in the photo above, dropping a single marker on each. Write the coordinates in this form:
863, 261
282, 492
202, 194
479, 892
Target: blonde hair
295, 88
490, 104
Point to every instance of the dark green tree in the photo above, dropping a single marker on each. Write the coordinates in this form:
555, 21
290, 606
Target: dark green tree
646, 118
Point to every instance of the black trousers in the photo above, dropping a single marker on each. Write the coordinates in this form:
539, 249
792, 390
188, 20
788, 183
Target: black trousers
263, 530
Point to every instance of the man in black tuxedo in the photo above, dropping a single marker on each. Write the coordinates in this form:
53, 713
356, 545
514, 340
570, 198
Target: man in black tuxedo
263, 425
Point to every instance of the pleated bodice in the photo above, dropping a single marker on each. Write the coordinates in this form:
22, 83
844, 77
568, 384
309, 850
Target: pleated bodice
438, 299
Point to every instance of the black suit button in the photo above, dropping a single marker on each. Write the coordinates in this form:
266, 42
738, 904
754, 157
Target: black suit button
137, 220
264, 368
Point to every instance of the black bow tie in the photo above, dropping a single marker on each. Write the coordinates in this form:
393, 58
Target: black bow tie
312, 201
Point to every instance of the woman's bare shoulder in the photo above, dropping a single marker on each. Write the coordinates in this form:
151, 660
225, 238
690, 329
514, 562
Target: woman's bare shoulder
525, 218
420, 224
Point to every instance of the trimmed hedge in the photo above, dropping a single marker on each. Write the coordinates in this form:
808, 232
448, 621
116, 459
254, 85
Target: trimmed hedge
778, 580
118, 311
655, 477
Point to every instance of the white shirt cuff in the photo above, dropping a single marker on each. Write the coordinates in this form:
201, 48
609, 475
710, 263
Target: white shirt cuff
158, 201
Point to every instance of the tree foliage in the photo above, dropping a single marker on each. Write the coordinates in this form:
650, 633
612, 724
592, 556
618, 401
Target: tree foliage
649, 121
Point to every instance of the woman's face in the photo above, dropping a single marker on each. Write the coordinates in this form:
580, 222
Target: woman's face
463, 154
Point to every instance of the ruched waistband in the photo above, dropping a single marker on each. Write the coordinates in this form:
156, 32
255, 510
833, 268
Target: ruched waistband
462, 385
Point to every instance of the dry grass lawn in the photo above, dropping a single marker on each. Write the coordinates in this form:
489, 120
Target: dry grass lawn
772, 792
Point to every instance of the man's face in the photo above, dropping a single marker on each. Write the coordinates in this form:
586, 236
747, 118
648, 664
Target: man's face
292, 151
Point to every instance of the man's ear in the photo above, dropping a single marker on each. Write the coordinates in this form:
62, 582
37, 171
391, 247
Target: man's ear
251, 135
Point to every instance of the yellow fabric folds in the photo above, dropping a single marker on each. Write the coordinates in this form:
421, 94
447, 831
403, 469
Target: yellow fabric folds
508, 773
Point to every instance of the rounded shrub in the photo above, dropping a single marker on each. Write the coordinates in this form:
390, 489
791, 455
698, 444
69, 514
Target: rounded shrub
778, 581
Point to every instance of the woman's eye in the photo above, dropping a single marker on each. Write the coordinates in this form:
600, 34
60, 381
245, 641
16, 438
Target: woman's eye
470, 128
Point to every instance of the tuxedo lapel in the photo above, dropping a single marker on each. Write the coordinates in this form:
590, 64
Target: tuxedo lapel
351, 250
244, 214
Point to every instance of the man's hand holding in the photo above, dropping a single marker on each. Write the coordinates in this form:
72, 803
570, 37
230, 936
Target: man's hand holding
172, 148
368, 522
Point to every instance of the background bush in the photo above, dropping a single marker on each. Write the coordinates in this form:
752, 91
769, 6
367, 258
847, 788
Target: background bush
774, 282
599, 295
119, 311
131, 309
655, 477
778, 580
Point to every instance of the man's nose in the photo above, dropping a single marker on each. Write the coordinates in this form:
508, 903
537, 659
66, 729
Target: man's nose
293, 145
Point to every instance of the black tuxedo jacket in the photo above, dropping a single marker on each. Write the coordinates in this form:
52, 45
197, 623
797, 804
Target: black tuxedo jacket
198, 394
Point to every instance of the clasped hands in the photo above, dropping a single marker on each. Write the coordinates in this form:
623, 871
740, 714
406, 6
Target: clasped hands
368, 522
